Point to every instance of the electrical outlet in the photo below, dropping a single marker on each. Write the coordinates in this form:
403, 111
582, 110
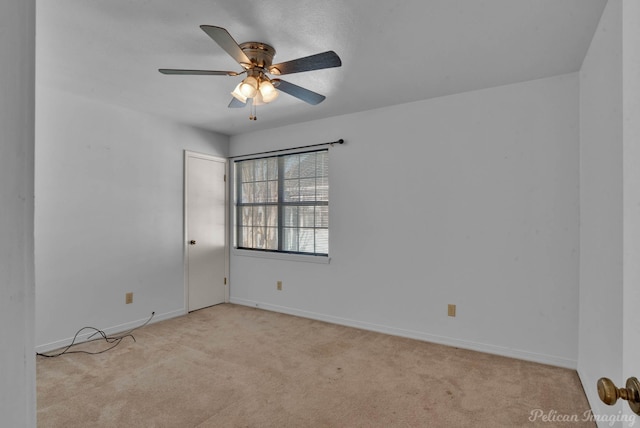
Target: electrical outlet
279, 285
451, 310
128, 298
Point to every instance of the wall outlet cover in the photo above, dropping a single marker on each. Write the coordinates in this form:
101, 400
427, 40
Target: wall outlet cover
451, 310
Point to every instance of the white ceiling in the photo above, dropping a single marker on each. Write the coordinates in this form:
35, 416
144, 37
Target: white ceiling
392, 51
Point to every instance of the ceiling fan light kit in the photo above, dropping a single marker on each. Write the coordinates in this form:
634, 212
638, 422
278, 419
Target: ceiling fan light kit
239, 95
256, 59
268, 91
249, 87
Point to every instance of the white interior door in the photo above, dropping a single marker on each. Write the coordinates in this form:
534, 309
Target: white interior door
205, 230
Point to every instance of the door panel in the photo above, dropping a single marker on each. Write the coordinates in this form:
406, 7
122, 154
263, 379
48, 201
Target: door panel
205, 231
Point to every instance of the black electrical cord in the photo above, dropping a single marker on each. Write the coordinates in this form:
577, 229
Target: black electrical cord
115, 340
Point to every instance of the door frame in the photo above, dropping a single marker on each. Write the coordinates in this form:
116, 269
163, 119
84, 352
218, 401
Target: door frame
185, 245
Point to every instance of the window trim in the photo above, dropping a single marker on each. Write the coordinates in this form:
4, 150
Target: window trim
278, 255
322, 258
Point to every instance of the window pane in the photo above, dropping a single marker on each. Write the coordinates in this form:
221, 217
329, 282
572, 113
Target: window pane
272, 238
290, 239
246, 238
247, 193
259, 216
322, 189
272, 216
306, 217
262, 170
272, 169
291, 190
255, 238
259, 238
322, 164
306, 240
308, 165
292, 166
322, 216
247, 216
259, 170
291, 216
246, 170
260, 192
308, 189
272, 191
322, 241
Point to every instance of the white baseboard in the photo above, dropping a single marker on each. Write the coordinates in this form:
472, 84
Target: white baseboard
109, 331
418, 335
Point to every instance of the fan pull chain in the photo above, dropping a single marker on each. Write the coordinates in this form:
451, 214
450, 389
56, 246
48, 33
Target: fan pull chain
252, 111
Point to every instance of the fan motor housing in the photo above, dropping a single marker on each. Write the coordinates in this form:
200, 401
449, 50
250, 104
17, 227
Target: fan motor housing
260, 54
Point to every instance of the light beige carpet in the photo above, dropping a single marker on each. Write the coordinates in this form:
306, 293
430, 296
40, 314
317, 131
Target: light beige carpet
233, 366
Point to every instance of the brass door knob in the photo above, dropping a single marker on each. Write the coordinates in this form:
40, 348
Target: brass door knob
192, 242
609, 393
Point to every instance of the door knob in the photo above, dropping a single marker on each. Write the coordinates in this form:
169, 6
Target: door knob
609, 393
192, 242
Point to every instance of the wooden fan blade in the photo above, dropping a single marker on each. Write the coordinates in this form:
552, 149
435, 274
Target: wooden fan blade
198, 72
236, 103
226, 42
305, 95
313, 62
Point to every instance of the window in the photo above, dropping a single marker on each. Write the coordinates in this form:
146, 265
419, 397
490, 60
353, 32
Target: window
282, 203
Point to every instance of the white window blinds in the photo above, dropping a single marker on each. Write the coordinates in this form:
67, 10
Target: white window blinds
282, 203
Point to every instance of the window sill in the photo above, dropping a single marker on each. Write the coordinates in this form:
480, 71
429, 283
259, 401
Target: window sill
282, 256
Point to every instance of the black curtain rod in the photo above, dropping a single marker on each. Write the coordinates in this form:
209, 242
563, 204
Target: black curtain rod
340, 141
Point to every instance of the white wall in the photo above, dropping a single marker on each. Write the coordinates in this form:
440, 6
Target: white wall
17, 360
470, 199
601, 207
108, 214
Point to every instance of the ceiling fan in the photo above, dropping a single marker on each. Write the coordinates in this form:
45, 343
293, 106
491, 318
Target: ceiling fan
256, 59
